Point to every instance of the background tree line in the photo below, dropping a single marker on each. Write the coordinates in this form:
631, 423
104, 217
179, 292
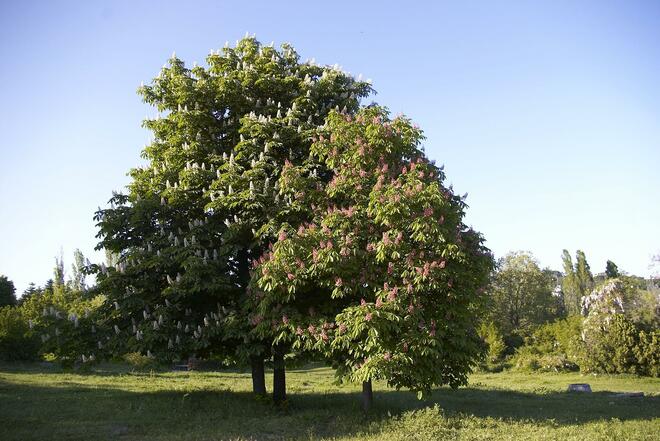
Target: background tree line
548, 320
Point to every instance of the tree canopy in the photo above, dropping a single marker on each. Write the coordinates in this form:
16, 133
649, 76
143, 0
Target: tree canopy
521, 294
209, 200
7, 292
385, 279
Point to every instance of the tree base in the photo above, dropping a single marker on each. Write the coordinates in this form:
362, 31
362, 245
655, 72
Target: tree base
367, 396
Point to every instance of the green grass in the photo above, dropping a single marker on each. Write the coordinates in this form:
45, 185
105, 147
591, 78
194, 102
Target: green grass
46, 403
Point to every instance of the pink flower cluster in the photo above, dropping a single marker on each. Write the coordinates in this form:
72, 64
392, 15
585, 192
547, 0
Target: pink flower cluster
391, 296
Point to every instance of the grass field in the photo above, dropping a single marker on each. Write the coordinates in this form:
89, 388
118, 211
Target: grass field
45, 403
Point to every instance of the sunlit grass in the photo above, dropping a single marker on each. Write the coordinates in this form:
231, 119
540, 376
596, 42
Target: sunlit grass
38, 402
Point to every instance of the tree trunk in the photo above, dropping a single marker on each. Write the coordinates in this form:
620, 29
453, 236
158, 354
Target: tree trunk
279, 375
367, 396
258, 375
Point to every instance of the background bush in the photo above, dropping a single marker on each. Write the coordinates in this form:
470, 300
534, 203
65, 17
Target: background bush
17, 341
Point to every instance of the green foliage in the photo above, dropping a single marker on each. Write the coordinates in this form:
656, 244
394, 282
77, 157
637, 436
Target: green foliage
558, 337
530, 358
139, 361
611, 349
577, 282
65, 321
611, 270
58, 272
521, 294
17, 341
494, 340
552, 347
385, 280
78, 270
612, 342
7, 292
647, 352
211, 198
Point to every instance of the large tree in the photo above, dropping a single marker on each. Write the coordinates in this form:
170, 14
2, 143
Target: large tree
521, 294
208, 202
385, 279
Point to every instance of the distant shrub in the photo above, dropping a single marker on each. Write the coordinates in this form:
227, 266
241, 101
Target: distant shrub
612, 342
493, 340
17, 341
619, 346
529, 358
139, 361
647, 352
559, 337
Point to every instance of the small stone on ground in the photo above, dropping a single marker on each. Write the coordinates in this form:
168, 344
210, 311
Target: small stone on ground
579, 387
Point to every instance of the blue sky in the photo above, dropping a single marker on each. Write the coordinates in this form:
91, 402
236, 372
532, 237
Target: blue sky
546, 113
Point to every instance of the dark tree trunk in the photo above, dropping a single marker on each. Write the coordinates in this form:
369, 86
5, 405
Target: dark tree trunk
367, 396
279, 375
258, 375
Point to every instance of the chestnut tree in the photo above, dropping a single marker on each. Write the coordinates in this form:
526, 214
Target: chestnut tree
385, 280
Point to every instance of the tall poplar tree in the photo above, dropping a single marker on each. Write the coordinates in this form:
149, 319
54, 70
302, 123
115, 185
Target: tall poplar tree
577, 282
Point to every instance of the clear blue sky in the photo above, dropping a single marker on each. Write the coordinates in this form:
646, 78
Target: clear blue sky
546, 113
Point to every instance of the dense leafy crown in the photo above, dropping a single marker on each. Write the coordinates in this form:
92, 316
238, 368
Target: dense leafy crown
210, 197
385, 279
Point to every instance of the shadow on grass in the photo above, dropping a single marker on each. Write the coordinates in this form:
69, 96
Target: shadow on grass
88, 411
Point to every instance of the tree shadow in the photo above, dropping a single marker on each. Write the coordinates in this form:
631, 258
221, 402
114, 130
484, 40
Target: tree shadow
86, 410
